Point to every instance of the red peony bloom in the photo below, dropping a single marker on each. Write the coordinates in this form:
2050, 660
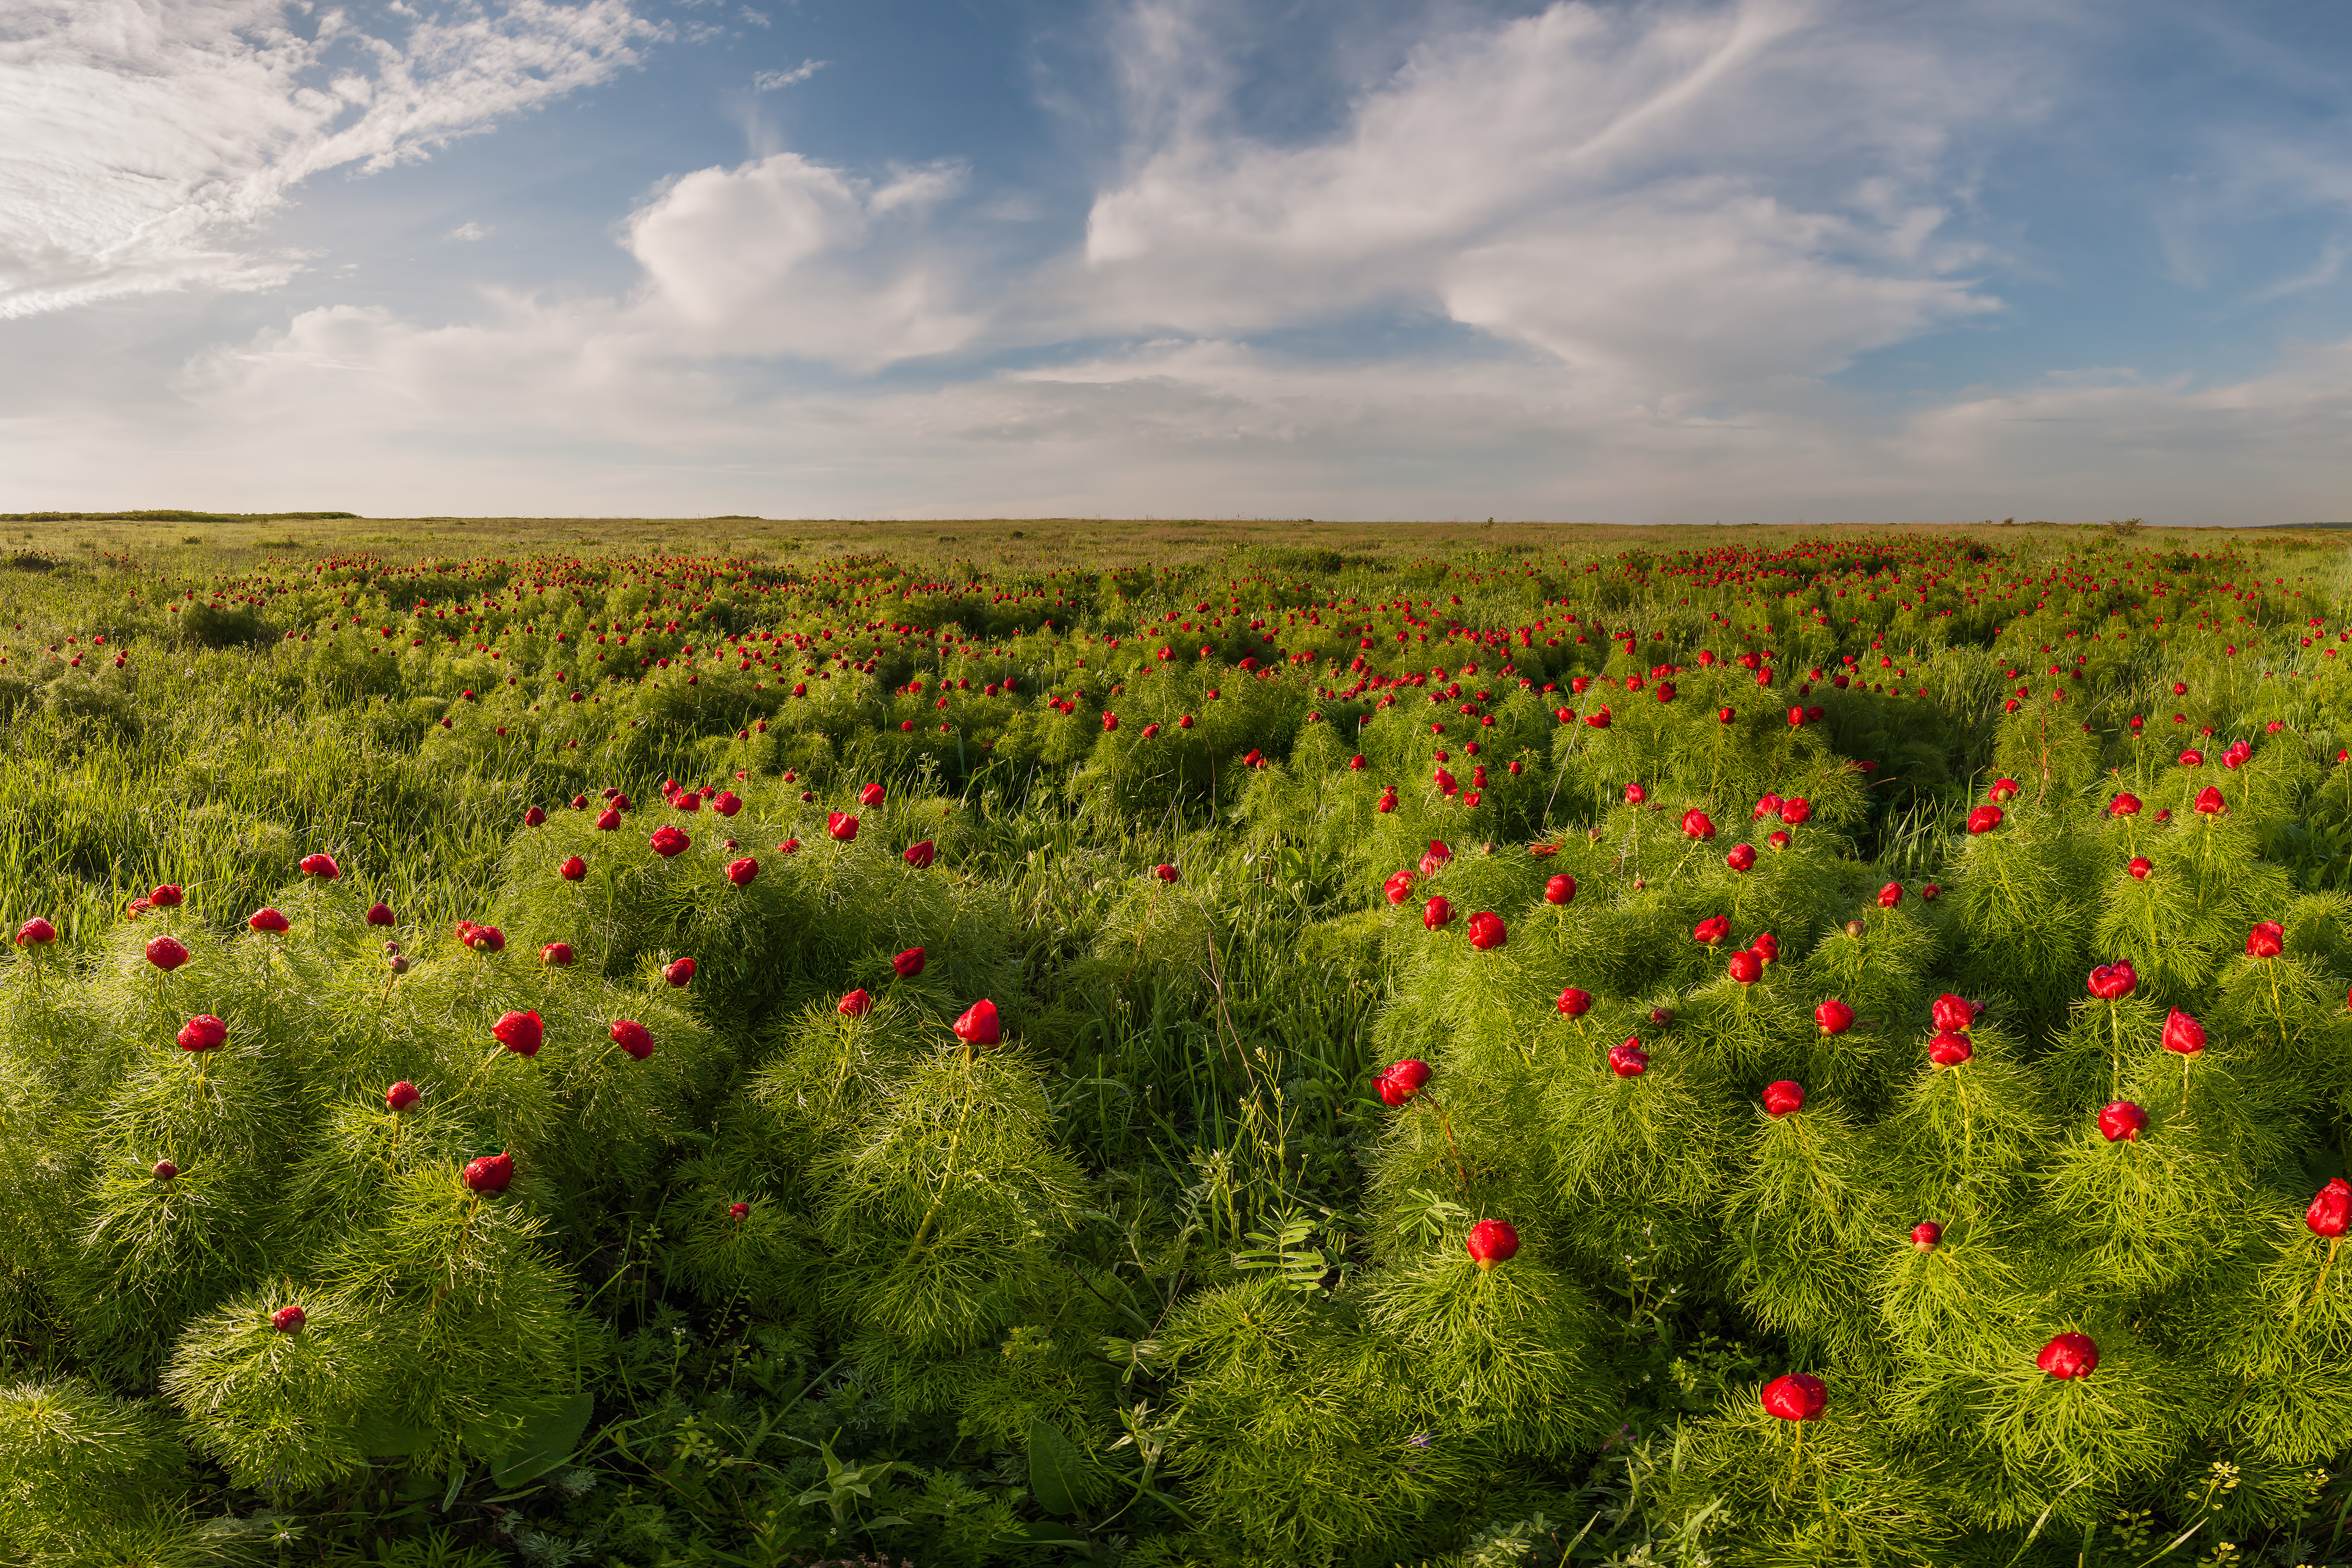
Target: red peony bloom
738, 1211
2002, 790
1560, 889
288, 1319
322, 867
1950, 1050
910, 963
857, 1005
740, 872
1628, 1060
1780, 1099
870, 796
1926, 1235
203, 1033
520, 1033
166, 954
2183, 1036
1796, 811
1890, 895
2331, 1211
1435, 913
2124, 806
2209, 801
1635, 794
1833, 1016
166, 897
572, 870
483, 938
668, 841
841, 828
268, 920
1398, 887
1698, 825
556, 953
2267, 940
1487, 931
1742, 857
2069, 1356
2111, 981
608, 820
401, 1096
727, 802
1798, 1397
1400, 1082
919, 856
491, 1174
1167, 873
1575, 1003
979, 1024
1434, 858
379, 913
1712, 929
2121, 1121
2140, 866
533, 817
1746, 968
1491, 1242
1984, 819
1952, 1014
632, 1037
680, 972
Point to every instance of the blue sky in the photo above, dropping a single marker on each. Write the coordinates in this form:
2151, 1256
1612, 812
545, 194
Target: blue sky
1761, 261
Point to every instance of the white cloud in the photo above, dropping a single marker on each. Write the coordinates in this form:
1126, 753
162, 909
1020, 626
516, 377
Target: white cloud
769, 81
468, 231
141, 140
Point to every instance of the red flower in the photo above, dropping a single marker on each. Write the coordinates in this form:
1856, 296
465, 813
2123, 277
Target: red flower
482, 939
2002, 790
1697, 824
401, 1096
491, 1174
1798, 1397
2267, 940
2124, 806
1746, 968
520, 1033
1167, 873
2183, 1036
1110, 720
1628, 1060
35, 932
2209, 801
556, 953
288, 1319
203, 1033
740, 872
1796, 811
379, 913
1742, 857
1398, 887
1435, 913
1781, 1098
870, 796
533, 817
1833, 1016
608, 820
1487, 931
2192, 758
268, 920
839, 827
1599, 718
1575, 1003
1726, 715
2140, 866
1665, 691
1712, 929
572, 870
2121, 1121
1490, 1242
680, 972
2110, 981
1950, 1050
738, 1211
1433, 859
727, 803
166, 897
1952, 1014
908, 964
919, 856
1766, 947
1926, 1235
322, 867
632, 1037
1767, 805
668, 841
1890, 895
1400, 1082
163, 1171
166, 954
1388, 801
1635, 794
1984, 819
979, 1025
1560, 889
2069, 1356
2331, 1211
857, 1005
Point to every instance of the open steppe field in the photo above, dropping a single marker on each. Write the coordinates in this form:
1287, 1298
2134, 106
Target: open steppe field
736, 1042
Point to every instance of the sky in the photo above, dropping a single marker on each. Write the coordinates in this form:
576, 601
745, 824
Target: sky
1759, 261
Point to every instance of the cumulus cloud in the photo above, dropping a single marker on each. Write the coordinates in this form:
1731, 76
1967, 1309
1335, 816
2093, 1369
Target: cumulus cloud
769, 81
141, 141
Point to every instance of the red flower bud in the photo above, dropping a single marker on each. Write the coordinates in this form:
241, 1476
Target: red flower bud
401, 1096
1491, 1242
2183, 1036
166, 897
1575, 1003
1833, 1016
288, 1320
557, 955
979, 1025
870, 796
166, 953
908, 964
667, 841
1635, 794
2209, 801
840, 827
1435, 913
680, 972
632, 1037
1400, 1082
1767, 805
1952, 1014
2121, 1121
857, 1005
2267, 940
1712, 929
1890, 895
203, 1033
2331, 1211
2069, 1356
572, 869
608, 820
2002, 790
1796, 1397
1949, 1051
1781, 1098
1560, 889
1628, 1060
163, 1171
1742, 857
491, 1174
520, 1033
1398, 887
1984, 819
740, 872
1434, 858
738, 1212
1746, 968
1926, 1235
2124, 806
2111, 981
919, 856
2140, 866
1697, 824
379, 914
322, 867
268, 920
1487, 931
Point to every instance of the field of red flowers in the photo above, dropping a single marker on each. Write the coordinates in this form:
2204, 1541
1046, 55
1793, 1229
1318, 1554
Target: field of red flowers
1824, 1049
